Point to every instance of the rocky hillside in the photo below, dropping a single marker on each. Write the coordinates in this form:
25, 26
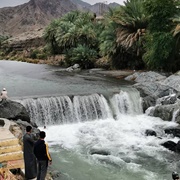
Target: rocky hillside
101, 8
37, 14
32, 16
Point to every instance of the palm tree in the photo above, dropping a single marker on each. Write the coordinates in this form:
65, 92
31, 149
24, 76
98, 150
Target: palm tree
50, 35
176, 30
132, 22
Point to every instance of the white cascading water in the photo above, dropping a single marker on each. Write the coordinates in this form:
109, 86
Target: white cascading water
97, 138
60, 110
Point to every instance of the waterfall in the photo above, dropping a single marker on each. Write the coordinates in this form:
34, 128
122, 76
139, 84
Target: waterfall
126, 103
65, 109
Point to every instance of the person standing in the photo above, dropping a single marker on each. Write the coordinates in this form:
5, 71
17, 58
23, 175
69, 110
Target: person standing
29, 157
4, 95
43, 157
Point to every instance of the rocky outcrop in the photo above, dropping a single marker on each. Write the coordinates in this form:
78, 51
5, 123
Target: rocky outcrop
19, 128
25, 41
13, 111
160, 94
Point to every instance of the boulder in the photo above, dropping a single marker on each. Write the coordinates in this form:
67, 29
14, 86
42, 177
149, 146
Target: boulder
175, 131
170, 145
146, 77
167, 112
150, 132
153, 89
100, 152
148, 101
173, 81
171, 99
13, 110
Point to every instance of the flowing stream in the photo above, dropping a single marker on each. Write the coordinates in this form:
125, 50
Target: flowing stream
102, 138
95, 124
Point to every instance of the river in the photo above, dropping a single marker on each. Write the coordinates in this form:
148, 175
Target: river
95, 124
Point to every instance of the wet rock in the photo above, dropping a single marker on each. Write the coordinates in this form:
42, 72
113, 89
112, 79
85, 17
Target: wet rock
100, 152
55, 174
171, 99
150, 132
175, 131
178, 147
170, 145
147, 102
13, 111
167, 112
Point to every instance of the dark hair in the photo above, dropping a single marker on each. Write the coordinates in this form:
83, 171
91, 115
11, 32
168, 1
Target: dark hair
175, 175
28, 128
42, 134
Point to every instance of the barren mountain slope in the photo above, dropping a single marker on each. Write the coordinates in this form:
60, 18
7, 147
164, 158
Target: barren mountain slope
31, 16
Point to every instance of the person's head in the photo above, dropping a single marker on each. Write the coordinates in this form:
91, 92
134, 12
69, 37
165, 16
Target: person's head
42, 134
4, 89
175, 175
28, 129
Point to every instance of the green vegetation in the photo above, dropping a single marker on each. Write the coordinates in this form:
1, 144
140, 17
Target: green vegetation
74, 35
160, 42
141, 34
2, 39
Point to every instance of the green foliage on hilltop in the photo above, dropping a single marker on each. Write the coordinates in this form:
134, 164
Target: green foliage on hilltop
139, 34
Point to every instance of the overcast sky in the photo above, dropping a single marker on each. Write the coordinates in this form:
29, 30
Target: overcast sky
6, 3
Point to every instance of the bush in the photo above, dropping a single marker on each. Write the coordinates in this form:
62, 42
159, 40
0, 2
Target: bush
82, 55
38, 54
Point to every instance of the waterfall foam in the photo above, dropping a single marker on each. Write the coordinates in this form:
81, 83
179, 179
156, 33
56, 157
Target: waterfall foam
63, 109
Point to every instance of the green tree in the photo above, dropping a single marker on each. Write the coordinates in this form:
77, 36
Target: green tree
159, 40
122, 39
132, 22
71, 32
49, 36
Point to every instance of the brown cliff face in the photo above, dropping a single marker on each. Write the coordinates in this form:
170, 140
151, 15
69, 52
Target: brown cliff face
32, 16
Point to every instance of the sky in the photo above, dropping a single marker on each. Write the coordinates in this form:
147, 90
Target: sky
6, 3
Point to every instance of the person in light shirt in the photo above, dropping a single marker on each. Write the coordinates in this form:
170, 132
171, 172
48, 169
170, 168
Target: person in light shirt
4, 95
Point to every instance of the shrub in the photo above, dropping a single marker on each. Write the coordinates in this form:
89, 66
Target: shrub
82, 55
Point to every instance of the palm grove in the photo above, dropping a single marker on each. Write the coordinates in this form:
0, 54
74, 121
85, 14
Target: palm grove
141, 34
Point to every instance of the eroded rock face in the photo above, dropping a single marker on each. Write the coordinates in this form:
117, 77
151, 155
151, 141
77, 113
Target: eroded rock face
13, 111
160, 93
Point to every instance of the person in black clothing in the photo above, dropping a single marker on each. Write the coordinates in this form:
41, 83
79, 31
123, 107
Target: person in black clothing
43, 157
29, 158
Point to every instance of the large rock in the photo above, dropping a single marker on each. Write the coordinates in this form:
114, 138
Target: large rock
13, 111
154, 89
173, 81
166, 112
170, 145
146, 77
